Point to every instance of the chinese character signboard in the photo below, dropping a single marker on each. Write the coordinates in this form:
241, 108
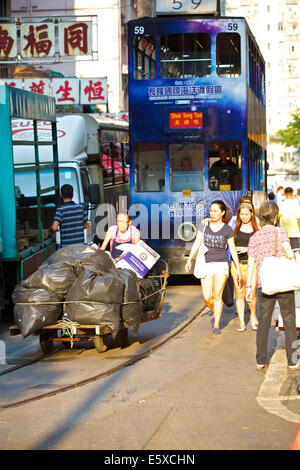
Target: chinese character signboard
66, 90
15, 82
54, 39
93, 91
37, 85
75, 38
8, 41
37, 40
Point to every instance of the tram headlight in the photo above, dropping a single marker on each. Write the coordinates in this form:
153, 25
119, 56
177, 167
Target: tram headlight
187, 231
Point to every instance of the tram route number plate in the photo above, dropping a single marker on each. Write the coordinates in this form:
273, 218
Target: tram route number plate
176, 7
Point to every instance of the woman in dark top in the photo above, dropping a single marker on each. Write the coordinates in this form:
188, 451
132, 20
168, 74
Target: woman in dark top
245, 227
210, 245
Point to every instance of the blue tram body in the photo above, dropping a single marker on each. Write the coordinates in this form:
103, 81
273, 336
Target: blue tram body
196, 91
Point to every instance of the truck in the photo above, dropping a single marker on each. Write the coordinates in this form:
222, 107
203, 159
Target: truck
25, 237
43, 151
92, 153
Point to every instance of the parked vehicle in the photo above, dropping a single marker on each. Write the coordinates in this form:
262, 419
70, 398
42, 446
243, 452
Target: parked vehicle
91, 156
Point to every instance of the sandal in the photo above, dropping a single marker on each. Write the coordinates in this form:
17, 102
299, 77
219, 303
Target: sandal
261, 366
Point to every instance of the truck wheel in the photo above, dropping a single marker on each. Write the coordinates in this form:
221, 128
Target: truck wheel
101, 343
46, 343
122, 338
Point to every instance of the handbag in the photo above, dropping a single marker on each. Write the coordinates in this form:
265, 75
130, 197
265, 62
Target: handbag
279, 274
200, 264
228, 296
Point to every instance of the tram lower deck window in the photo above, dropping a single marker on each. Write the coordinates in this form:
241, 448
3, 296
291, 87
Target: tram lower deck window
225, 166
149, 166
186, 166
185, 55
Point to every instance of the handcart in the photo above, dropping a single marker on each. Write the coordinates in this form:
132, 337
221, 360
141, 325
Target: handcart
68, 333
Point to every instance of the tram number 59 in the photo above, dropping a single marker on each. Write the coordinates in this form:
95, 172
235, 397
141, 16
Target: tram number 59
177, 4
139, 30
233, 26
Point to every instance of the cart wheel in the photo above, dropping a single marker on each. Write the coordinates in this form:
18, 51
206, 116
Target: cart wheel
101, 343
46, 343
122, 338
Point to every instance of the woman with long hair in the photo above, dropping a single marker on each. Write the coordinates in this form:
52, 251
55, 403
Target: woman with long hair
214, 238
245, 227
261, 245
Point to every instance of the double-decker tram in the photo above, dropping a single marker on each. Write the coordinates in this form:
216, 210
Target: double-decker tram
197, 124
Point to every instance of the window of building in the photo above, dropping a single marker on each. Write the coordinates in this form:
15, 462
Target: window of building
149, 166
186, 166
228, 54
185, 55
143, 57
225, 165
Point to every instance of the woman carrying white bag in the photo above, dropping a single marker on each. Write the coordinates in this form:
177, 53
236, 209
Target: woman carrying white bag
261, 248
212, 260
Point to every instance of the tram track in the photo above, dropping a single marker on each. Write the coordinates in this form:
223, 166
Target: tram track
132, 360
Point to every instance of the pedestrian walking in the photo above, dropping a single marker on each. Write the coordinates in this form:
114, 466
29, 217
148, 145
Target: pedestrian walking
70, 218
289, 214
122, 232
245, 227
210, 246
260, 246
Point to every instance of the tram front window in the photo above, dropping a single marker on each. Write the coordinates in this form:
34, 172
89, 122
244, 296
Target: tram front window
225, 166
149, 166
186, 166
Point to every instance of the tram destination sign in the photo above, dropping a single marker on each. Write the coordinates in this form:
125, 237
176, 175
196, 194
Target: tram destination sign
187, 7
185, 120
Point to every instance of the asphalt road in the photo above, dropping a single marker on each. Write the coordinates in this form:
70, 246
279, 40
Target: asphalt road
195, 392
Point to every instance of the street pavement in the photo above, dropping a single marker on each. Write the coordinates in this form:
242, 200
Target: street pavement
197, 392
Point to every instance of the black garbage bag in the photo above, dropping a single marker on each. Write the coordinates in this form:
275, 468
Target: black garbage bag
131, 311
30, 315
81, 256
148, 287
57, 278
99, 299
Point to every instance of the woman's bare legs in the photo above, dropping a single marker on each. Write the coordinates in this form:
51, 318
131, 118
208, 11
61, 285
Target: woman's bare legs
207, 291
219, 281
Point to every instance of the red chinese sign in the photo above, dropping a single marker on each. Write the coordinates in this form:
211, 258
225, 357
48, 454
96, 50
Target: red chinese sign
65, 90
37, 40
75, 38
44, 39
186, 120
93, 91
8, 41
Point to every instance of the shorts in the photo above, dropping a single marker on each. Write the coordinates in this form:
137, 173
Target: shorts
244, 269
216, 267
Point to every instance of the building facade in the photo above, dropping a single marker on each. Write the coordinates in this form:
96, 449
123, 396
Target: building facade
109, 43
276, 27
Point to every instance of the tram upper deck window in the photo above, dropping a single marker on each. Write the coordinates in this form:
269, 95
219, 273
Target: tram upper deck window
225, 165
143, 57
186, 166
149, 166
185, 55
228, 54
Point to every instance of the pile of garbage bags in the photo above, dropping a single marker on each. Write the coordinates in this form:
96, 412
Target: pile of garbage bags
83, 283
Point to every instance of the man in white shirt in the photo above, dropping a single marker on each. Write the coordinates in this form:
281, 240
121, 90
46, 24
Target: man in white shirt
289, 212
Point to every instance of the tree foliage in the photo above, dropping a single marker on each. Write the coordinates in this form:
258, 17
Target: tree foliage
290, 136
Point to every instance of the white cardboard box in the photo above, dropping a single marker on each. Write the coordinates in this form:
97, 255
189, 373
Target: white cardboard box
139, 258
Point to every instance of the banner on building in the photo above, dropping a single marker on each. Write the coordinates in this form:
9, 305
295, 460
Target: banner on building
52, 41
65, 90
